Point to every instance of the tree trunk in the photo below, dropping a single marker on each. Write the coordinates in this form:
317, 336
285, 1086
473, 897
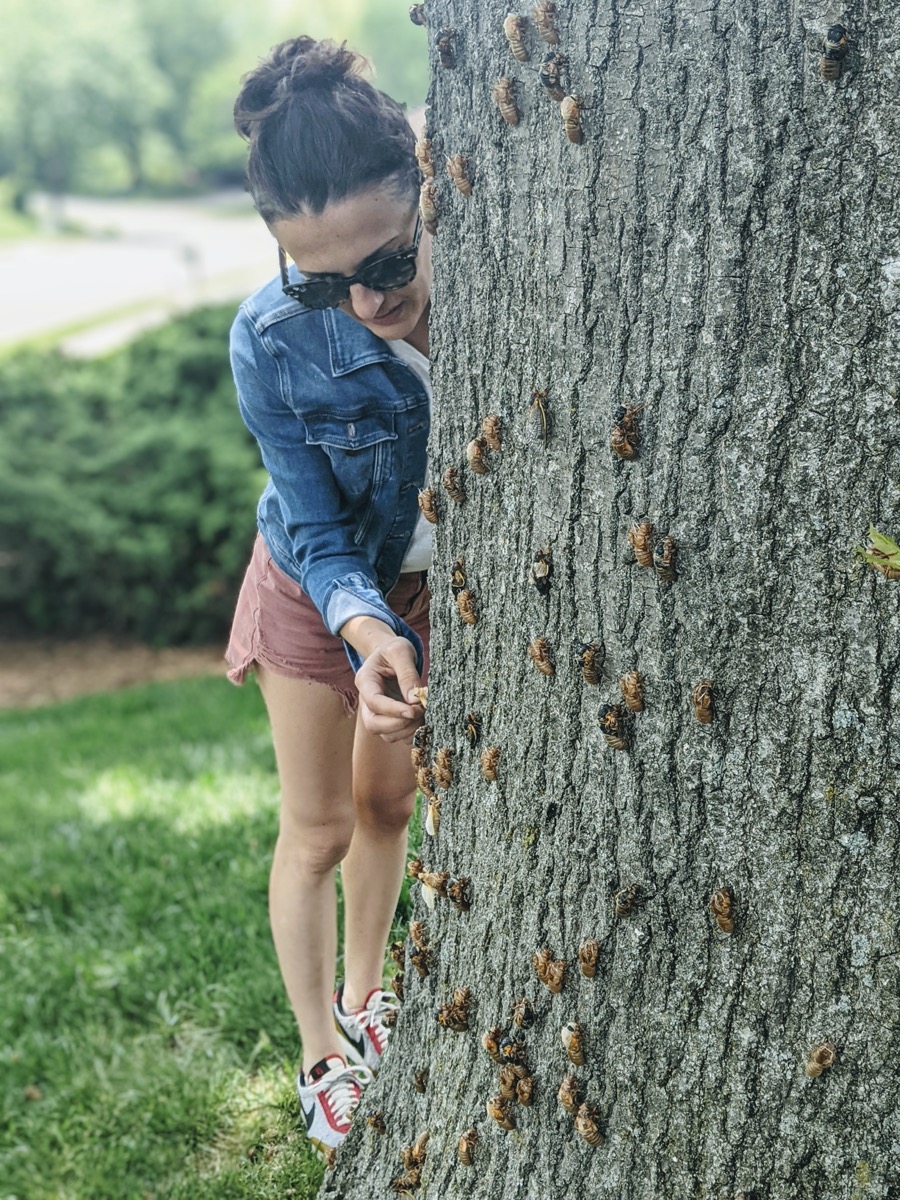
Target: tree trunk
722, 252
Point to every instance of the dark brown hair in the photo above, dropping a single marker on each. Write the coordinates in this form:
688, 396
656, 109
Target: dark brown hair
318, 131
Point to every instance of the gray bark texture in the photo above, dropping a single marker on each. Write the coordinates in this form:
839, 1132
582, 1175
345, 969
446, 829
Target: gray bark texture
722, 250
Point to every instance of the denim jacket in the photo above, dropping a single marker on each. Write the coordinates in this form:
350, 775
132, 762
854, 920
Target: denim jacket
342, 425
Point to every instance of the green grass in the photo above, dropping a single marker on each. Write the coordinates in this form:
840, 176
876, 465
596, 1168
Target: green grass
146, 1046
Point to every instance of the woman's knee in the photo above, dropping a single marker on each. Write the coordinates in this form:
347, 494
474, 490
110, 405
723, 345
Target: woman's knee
387, 808
313, 850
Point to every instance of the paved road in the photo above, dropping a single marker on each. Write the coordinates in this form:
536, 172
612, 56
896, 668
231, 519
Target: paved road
140, 262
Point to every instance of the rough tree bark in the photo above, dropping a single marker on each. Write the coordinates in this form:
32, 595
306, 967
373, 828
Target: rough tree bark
723, 250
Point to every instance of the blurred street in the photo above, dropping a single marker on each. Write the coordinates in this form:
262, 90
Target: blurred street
135, 265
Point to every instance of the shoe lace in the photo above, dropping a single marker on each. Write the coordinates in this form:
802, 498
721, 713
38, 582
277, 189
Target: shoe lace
344, 1091
374, 1013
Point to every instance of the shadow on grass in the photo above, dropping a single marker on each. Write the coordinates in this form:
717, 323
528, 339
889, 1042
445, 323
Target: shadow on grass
146, 1043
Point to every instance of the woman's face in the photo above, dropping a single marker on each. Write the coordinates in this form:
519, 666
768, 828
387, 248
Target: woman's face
353, 232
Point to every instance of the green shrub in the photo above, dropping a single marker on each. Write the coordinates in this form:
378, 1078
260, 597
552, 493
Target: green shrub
128, 488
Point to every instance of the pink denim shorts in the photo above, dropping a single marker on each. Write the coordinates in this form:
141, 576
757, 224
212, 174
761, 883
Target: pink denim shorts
277, 625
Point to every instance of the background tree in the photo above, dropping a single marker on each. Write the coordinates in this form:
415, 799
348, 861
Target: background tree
720, 256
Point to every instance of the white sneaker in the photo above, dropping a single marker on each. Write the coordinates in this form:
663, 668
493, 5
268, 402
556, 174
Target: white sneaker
366, 1030
328, 1096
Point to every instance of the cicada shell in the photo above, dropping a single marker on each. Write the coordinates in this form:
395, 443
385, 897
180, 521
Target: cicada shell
542, 656
492, 428
419, 757
443, 767
490, 758
834, 51
590, 656
414, 868
455, 1013
821, 1057
458, 577
525, 1091
452, 485
614, 724
465, 603
376, 1121
537, 423
641, 538
514, 30
522, 1013
458, 893
512, 1048
499, 1110
417, 14
625, 900
397, 985
721, 905
541, 960
702, 701
475, 452
421, 960
570, 111
418, 934
425, 781
414, 1155
472, 728
433, 817
542, 570
588, 954
428, 209
556, 974
420, 1080
458, 170
445, 48
570, 1094
408, 1182
506, 1081
466, 1145
664, 559
427, 498
502, 94
397, 951
436, 880
625, 437
586, 1123
550, 75
544, 15
423, 157
632, 687
573, 1043
421, 694
490, 1041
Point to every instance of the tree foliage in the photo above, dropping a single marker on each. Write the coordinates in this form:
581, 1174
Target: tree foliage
127, 488
97, 97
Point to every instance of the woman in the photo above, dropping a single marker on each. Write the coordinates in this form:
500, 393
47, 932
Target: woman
330, 362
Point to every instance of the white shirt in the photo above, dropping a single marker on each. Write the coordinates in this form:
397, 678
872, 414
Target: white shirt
418, 552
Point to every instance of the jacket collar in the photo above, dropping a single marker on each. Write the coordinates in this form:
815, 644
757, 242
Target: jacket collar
350, 344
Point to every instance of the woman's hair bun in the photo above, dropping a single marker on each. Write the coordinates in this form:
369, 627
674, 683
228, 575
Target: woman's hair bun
298, 65
319, 131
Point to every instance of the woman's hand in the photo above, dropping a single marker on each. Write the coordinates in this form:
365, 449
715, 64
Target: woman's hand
386, 682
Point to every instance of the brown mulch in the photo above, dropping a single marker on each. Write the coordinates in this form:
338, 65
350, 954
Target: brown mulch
35, 673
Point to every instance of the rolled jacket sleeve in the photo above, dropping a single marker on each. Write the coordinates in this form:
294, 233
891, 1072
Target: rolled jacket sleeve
313, 539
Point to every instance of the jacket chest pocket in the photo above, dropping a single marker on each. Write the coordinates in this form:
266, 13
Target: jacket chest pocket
359, 448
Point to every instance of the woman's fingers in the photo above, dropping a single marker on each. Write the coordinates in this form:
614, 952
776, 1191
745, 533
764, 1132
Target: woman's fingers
387, 675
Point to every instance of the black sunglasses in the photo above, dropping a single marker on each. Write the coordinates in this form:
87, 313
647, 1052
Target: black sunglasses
384, 275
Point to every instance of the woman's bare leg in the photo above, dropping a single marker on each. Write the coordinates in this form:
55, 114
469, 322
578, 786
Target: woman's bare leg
313, 739
384, 795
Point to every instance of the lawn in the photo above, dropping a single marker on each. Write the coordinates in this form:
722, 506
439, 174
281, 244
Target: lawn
146, 1048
